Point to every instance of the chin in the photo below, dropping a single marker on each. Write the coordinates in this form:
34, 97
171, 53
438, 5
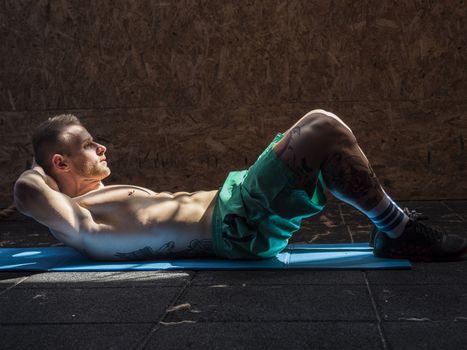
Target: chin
103, 175
107, 174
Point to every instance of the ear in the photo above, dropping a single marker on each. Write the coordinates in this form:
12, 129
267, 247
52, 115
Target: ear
60, 163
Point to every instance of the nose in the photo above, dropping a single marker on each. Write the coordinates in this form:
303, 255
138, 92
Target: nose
101, 149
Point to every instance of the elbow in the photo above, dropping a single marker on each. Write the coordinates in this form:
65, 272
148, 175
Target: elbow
25, 195
22, 196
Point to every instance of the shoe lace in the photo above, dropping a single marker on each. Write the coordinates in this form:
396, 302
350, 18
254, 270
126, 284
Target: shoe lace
414, 215
427, 232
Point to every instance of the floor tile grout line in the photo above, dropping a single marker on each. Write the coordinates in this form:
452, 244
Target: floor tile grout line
339, 205
208, 285
83, 323
343, 221
375, 309
247, 320
296, 283
350, 234
158, 324
455, 212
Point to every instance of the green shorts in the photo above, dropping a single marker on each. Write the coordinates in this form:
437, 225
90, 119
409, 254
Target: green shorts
257, 210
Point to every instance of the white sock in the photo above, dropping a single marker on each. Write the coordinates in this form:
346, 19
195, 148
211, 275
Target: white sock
388, 217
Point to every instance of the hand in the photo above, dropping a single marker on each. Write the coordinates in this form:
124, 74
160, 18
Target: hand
37, 167
48, 179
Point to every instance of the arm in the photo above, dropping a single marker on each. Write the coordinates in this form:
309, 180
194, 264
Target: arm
34, 197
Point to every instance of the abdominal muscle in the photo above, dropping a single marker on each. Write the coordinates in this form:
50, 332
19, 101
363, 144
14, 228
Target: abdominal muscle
134, 223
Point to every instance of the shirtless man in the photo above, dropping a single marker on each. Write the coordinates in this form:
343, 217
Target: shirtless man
251, 216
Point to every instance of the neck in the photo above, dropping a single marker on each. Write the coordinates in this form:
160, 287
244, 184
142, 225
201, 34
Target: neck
73, 188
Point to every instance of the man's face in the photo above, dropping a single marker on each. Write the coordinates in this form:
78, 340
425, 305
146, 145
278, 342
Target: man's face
86, 155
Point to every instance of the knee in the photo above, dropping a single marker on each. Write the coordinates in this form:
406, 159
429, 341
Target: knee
329, 126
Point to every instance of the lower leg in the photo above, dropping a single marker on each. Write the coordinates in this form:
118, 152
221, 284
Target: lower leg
350, 177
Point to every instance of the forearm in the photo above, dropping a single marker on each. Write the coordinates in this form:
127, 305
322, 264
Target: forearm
29, 181
34, 198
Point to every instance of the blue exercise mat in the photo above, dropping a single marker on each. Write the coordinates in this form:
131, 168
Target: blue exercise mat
354, 256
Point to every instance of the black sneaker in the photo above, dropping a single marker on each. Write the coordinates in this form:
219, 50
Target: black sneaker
414, 215
419, 242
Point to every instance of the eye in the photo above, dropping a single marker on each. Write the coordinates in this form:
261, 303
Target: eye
88, 145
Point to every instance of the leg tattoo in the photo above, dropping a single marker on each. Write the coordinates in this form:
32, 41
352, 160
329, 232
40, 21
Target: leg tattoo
351, 178
297, 159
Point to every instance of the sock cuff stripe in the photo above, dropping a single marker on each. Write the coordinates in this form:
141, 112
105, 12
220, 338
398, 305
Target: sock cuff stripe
390, 226
400, 220
384, 213
389, 217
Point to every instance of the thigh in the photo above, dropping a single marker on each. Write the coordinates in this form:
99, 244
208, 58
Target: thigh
302, 151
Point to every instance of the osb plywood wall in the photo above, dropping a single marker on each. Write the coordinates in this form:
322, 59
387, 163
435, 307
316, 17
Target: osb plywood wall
182, 92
